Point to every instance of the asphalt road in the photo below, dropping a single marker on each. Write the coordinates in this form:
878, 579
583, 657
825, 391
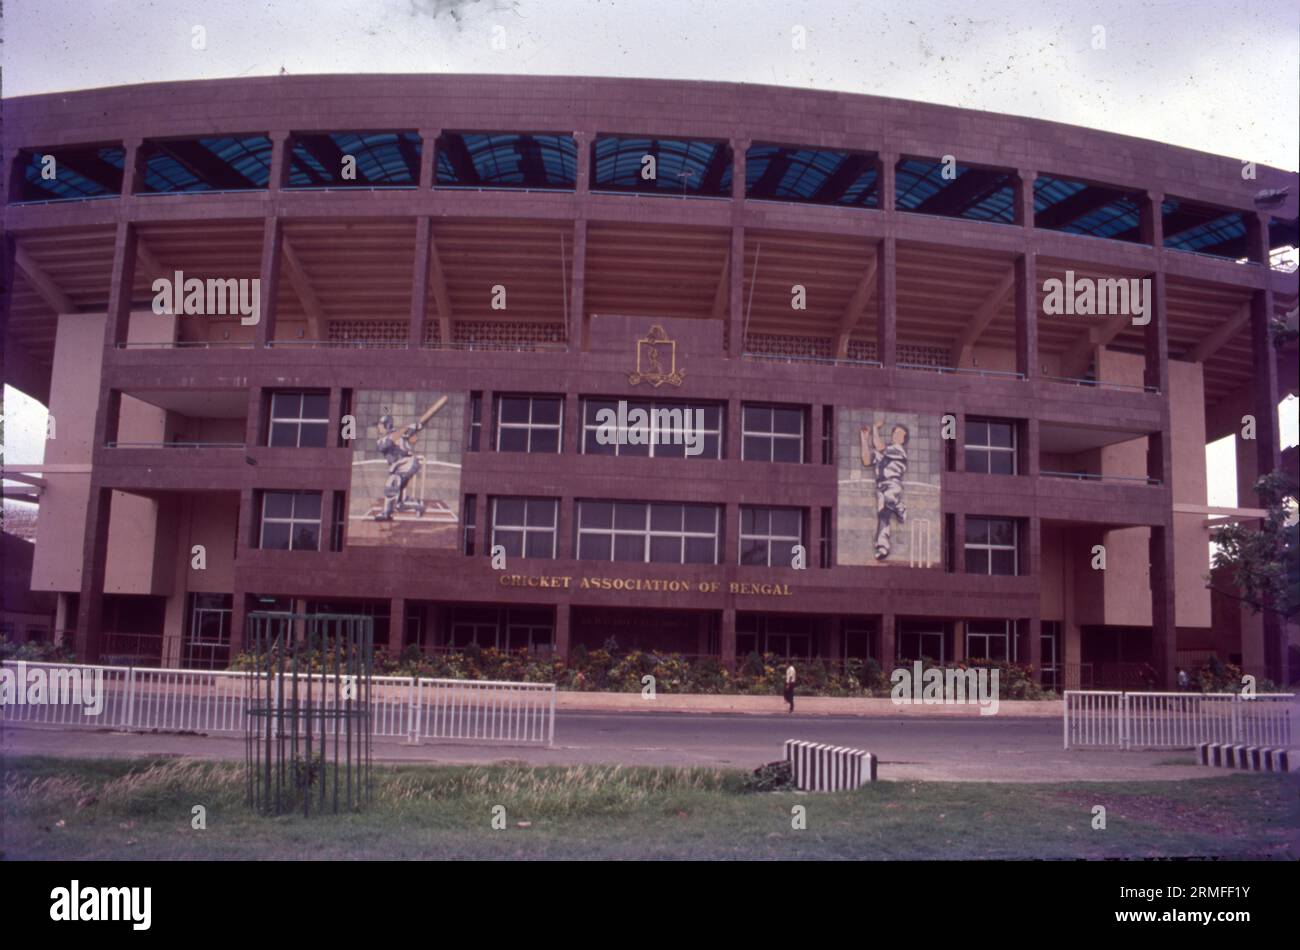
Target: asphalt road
992, 748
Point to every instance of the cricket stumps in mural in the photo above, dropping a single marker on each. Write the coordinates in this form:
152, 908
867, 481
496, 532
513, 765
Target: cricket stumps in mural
889, 507
406, 469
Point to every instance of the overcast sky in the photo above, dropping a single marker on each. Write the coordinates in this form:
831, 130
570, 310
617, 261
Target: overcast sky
1208, 74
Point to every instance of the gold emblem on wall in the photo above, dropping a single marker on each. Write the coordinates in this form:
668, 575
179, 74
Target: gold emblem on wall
652, 351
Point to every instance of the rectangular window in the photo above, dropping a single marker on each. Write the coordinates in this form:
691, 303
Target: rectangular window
529, 424
1050, 639
826, 551
991, 446
828, 435
648, 532
525, 527
207, 635
338, 520
290, 521
299, 419
471, 523
992, 546
772, 433
662, 434
921, 640
768, 536
475, 420
990, 640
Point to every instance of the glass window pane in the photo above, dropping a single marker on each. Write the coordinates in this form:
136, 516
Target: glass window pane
1004, 562
545, 441
787, 450
712, 417
277, 504
753, 552
514, 440
977, 561
546, 412
275, 535
700, 551
758, 419
666, 550
786, 522
977, 460
315, 406
1002, 531
977, 531
592, 408
702, 518
541, 513
509, 511
312, 435
541, 543
788, 420
1002, 463
666, 517
783, 553
757, 449
285, 405
670, 445
747, 516
629, 515
512, 541
307, 505
712, 446
283, 435
977, 433
305, 537
593, 547
595, 514
593, 446
640, 451
1002, 434
513, 409
629, 547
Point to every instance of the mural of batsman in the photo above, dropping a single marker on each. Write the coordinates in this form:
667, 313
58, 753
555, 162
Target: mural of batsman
890, 464
398, 449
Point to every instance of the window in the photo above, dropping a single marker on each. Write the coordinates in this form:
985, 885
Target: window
529, 423
991, 546
660, 429
513, 628
207, 637
787, 637
338, 520
299, 419
525, 527
475, 420
826, 552
828, 435
471, 523
768, 536
506, 160
920, 640
991, 446
990, 640
647, 532
772, 433
698, 168
291, 520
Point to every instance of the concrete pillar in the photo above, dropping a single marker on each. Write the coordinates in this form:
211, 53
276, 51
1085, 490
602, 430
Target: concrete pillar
1164, 633
420, 284
1026, 293
728, 638
888, 642
272, 244
563, 613
887, 302
959, 543
958, 654
428, 155
735, 328
577, 324
1025, 197
1035, 657
94, 558
396, 626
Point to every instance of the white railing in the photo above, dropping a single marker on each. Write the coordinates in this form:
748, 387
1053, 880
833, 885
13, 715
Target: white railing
401, 707
1116, 720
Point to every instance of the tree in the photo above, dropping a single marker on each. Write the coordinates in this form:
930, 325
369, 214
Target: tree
1264, 562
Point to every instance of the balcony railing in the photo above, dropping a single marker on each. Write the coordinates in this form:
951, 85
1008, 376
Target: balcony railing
189, 345
963, 371
174, 445
1101, 384
523, 347
815, 360
338, 344
1097, 477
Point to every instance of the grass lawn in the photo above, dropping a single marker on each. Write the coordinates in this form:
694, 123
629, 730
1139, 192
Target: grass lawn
115, 809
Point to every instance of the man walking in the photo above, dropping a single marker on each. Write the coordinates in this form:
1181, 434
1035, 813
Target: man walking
789, 687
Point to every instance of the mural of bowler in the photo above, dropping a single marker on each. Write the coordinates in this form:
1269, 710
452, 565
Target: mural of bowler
889, 510
406, 464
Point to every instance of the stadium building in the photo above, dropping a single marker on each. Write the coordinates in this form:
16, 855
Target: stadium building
327, 343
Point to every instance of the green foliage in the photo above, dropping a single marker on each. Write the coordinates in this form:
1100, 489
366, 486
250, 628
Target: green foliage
1264, 562
773, 777
40, 651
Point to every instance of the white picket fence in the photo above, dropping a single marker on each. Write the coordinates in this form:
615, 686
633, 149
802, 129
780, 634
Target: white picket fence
1117, 720
402, 707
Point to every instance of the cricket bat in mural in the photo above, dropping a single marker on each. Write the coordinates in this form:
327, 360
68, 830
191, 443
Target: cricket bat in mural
428, 414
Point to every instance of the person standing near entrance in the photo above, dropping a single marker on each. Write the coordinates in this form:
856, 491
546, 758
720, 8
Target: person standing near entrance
789, 687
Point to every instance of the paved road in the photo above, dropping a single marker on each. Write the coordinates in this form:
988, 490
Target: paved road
993, 748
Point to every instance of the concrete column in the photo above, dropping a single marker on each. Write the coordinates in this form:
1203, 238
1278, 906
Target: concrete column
1035, 658
420, 284
1164, 633
272, 243
566, 539
280, 160
562, 618
958, 654
576, 331
1031, 461
887, 302
1156, 338
1025, 197
836, 650
1031, 547
1152, 222
735, 425
428, 156
886, 168
959, 442
396, 626
728, 638
730, 529
888, 642
735, 328
959, 543
1026, 286
94, 558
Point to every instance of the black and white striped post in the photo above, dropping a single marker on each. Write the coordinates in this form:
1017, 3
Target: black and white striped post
817, 767
1251, 758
